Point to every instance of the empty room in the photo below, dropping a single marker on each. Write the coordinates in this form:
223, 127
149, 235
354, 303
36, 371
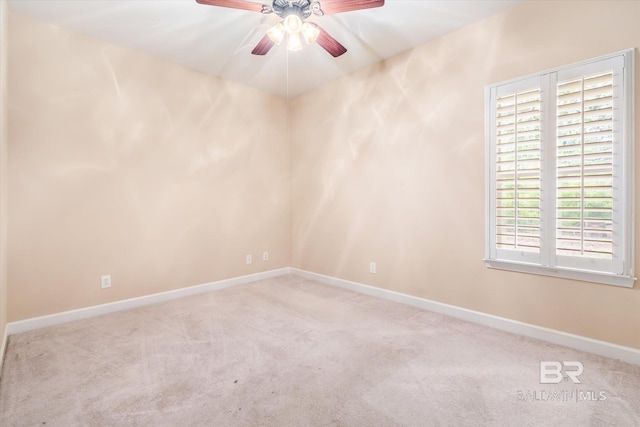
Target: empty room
319, 213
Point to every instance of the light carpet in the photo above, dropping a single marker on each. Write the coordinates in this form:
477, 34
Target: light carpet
293, 352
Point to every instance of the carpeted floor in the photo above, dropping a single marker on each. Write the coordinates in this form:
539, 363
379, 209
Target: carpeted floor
293, 352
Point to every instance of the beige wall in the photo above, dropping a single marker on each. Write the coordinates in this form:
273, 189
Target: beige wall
3, 174
122, 164
388, 166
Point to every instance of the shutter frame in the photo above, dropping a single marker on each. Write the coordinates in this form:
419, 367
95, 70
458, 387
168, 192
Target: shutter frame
619, 270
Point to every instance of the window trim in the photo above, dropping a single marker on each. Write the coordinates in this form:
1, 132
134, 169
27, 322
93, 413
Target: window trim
626, 279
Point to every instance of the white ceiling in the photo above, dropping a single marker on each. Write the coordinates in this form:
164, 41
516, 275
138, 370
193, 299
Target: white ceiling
218, 41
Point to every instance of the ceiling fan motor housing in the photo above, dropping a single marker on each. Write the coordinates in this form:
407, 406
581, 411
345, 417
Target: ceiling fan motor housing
300, 8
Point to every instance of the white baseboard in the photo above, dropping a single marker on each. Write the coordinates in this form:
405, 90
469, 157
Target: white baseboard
602, 348
98, 310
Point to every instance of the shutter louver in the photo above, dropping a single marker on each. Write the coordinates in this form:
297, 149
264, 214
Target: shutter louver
584, 167
518, 139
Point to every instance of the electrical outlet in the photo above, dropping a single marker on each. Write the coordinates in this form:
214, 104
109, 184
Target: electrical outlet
372, 268
265, 256
249, 260
105, 281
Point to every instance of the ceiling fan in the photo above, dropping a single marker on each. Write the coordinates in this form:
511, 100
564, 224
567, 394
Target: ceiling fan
293, 25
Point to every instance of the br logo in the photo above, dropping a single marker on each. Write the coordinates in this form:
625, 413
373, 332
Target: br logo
551, 372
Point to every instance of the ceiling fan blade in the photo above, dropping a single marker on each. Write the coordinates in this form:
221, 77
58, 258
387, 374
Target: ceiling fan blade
329, 44
263, 46
234, 4
337, 6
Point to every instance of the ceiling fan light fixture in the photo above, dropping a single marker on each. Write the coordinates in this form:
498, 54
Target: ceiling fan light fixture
293, 24
294, 43
276, 33
309, 32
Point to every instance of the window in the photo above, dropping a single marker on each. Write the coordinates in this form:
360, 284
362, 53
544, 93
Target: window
559, 179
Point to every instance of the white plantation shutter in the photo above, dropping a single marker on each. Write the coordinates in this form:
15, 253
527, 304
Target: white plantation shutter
584, 165
518, 171
559, 181
516, 185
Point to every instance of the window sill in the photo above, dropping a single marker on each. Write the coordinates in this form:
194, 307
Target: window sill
565, 273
